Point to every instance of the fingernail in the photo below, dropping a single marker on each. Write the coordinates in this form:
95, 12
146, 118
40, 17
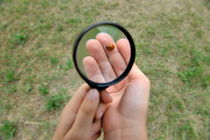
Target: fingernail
93, 94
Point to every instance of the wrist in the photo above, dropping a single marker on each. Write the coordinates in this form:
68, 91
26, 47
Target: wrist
126, 134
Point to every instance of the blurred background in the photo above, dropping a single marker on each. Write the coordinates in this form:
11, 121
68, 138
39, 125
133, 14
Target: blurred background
37, 76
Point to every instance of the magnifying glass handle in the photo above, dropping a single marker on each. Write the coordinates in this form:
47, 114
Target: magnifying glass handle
98, 87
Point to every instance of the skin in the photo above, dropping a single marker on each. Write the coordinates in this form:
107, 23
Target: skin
77, 119
121, 110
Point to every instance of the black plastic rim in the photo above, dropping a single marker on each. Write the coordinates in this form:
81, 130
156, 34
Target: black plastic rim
102, 86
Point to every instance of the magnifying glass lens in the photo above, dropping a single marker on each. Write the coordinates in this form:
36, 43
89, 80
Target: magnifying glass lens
103, 54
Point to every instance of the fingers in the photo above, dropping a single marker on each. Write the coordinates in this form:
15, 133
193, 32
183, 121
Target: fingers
96, 127
124, 49
69, 112
100, 111
96, 130
92, 70
88, 109
96, 51
97, 135
85, 116
114, 55
94, 73
76, 100
109, 62
136, 95
105, 97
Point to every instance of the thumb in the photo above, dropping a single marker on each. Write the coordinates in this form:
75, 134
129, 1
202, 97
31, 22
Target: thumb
86, 113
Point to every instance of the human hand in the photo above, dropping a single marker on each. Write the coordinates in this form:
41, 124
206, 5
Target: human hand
126, 116
78, 119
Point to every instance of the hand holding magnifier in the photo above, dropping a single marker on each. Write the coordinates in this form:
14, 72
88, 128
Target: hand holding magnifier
103, 55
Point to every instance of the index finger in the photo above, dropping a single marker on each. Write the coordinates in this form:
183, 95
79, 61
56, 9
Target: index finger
69, 112
85, 116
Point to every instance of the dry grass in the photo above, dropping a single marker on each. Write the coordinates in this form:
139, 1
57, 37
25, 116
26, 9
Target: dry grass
172, 40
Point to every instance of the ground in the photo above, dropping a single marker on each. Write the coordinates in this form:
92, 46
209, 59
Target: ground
37, 76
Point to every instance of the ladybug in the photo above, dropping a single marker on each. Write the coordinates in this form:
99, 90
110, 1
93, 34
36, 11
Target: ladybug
110, 47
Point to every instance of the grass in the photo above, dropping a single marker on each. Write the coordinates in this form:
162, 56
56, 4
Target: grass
7, 130
36, 69
43, 89
18, 39
69, 64
56, 101
54, 60
9, 76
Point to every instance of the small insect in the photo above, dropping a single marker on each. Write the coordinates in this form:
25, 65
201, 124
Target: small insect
110, 47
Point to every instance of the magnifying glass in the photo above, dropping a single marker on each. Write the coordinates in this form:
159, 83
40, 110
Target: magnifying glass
104, 54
